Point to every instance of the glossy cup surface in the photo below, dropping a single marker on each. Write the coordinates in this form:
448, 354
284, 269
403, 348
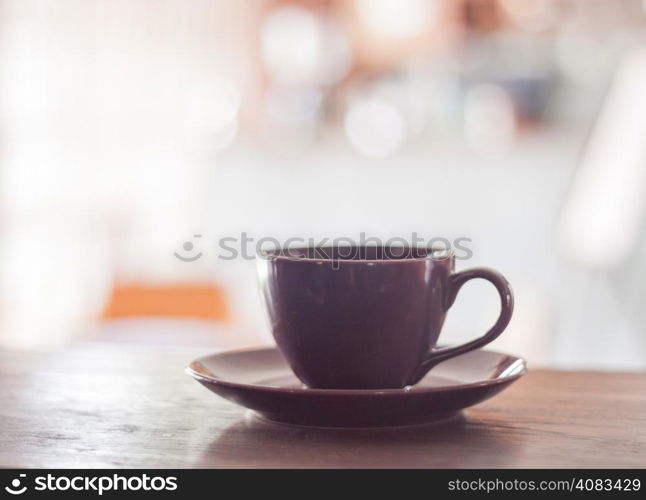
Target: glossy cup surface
356, 318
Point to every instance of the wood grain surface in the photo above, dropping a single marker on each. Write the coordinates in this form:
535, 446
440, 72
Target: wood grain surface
106, 405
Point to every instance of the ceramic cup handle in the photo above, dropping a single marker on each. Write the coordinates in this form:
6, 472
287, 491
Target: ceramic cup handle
454, 284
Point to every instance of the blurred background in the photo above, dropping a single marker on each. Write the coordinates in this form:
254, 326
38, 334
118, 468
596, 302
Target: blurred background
132, 131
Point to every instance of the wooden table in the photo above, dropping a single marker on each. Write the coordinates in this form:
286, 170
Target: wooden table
107, 405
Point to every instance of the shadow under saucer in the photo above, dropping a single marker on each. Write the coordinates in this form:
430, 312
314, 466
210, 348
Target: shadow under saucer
460, 442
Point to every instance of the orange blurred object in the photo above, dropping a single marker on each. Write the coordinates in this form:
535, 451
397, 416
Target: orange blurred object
186, 301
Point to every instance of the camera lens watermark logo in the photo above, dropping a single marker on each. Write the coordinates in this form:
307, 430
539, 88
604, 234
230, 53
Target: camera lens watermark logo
15, 488
189, 246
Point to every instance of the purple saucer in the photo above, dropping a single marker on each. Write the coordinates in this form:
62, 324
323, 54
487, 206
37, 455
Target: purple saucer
261, 380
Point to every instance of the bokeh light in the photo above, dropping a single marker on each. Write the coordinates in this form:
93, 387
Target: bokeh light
300, 46
211, 114
397, 19
489, 120
375, 127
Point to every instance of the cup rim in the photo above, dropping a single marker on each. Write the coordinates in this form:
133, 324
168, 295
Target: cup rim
283, 254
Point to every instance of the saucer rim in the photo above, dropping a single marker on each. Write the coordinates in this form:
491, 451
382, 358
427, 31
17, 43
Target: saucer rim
412, 390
